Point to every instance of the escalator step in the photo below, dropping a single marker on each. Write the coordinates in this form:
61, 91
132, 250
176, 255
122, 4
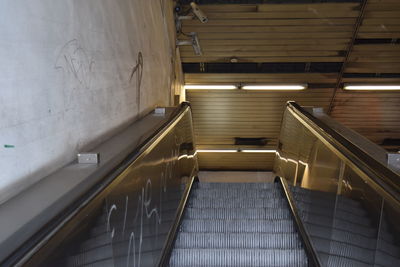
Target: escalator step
238, 226
237, 257
232, 213
237, 185
238, 240
237, 203
236, 193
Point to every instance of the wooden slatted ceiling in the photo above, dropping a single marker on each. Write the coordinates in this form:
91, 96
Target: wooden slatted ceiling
381, 21
235, 78
291, 33
273, 32
374, 115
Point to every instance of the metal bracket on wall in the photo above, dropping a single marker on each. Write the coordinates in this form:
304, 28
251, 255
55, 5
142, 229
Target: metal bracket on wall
393, 161
194, 42
159, 111
88, 158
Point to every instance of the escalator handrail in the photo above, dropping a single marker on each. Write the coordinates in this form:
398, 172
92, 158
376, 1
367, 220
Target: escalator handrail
383, 180
35, 242
305, 237
172, 235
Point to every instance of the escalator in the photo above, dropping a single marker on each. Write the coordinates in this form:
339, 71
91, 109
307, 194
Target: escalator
238, 224
351, 241
331, 204
226, 224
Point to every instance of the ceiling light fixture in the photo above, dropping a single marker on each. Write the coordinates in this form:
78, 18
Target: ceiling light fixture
236, 150
258, 150
276, 87
371, 87
210, 87
216, 150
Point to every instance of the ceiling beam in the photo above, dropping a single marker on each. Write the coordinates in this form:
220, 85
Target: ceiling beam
349, 50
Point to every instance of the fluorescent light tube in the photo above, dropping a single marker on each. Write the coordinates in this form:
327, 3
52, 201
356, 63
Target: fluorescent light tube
258, 150
211, 87
236, 150
371, 87
275, 87
216, 150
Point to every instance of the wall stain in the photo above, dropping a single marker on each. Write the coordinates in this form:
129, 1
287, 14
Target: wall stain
138, 69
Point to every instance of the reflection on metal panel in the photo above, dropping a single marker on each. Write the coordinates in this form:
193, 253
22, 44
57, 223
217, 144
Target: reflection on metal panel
141, 210
127, 223
303, 159
350, 219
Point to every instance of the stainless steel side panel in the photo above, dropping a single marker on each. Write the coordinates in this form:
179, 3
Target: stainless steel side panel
338, 201
141, 209
131, 218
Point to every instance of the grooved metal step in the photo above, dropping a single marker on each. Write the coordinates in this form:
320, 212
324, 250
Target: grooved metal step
236, 193
232, 213
236, 203
236, 185
238, 257
238, 240
238, 226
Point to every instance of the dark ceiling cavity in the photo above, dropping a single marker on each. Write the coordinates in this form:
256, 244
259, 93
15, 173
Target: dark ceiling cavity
376, 41
371, 75
207, 2
391, 142
317, 67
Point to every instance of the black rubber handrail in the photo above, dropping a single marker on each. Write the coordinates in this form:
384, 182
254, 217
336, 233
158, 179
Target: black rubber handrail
313, 259
172, 235
378, 173
34, 243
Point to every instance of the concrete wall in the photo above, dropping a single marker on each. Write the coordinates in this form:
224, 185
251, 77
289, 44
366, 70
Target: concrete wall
74, 72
